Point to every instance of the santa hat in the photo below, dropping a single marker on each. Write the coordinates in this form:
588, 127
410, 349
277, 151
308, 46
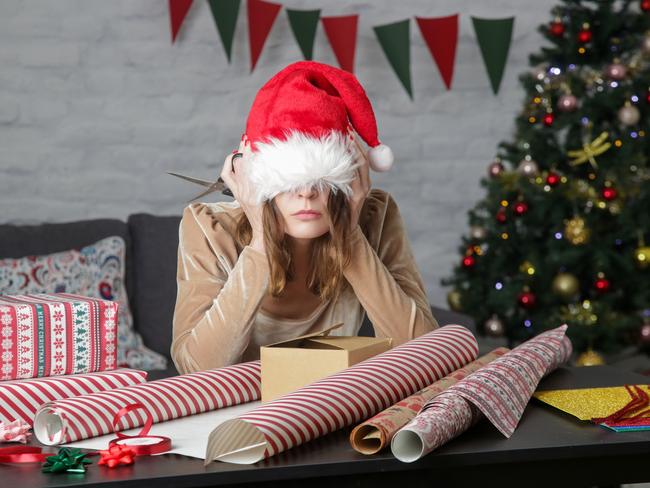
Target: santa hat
298, 130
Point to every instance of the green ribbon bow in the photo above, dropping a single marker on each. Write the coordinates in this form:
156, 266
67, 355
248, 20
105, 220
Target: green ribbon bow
69, 460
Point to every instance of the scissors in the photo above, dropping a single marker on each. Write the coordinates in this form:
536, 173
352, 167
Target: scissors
212, 186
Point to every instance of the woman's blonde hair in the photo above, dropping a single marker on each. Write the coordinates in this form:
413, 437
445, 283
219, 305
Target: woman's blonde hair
329, 254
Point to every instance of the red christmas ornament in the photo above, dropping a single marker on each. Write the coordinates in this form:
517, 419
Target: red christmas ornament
645, 5
584, 35
602, 285
501, 216
609, 193
527, 299
520, 208
552, 178
469, 262
647, 97
556, 28
548, 119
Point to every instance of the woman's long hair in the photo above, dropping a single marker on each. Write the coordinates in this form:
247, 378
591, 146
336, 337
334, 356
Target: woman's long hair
329, 254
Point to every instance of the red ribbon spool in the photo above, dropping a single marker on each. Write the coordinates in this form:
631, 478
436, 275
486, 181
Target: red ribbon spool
23, 454
142, 443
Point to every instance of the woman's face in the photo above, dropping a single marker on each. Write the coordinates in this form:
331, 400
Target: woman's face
304, 226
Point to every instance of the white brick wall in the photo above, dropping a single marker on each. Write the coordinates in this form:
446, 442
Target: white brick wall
96, 104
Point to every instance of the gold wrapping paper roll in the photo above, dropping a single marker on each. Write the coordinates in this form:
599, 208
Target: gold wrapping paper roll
375, 434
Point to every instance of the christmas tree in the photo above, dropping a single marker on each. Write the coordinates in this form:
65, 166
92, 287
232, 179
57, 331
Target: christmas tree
562, 235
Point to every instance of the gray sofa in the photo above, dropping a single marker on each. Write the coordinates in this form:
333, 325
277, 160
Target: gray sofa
152, 243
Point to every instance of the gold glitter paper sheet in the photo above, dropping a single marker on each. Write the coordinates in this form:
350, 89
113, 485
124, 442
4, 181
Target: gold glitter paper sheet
587, 403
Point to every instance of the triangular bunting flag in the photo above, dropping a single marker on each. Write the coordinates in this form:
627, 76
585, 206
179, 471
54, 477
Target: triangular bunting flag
225, 14
342, 35
303, 24
494, 37
261, 16
177, 11
395, 41
441, 36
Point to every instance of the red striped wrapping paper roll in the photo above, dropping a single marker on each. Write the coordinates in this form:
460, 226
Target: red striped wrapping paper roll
56, 334
77, 418
343, 398
499, 391
20, 399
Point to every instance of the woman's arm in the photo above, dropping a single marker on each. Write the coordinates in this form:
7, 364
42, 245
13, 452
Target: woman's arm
214, 310
388, 283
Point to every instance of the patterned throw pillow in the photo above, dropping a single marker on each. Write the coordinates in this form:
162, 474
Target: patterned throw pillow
96, 270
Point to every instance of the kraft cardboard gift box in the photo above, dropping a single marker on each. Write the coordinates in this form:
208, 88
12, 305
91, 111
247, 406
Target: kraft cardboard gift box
294, 363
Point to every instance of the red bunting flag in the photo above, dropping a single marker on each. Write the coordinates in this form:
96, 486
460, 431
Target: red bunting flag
342, 34
441, 36
177, 11
261, 16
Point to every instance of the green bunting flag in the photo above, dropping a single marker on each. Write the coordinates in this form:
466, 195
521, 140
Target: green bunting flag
395, 41
494, 37
225, 14
303, 24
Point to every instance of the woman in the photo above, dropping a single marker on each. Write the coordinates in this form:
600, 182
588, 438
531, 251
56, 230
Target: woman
256, 271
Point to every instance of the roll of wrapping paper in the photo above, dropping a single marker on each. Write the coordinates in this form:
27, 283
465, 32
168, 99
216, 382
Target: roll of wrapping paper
343, 398
73, 419
375, 434
500, 391
20, 399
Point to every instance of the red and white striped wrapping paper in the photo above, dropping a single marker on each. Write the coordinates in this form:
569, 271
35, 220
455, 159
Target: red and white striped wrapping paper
73, 419
499, 391
20, 399
342, 398
56, 334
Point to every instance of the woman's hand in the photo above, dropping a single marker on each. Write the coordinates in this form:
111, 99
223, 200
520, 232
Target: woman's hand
234, 173
361, 184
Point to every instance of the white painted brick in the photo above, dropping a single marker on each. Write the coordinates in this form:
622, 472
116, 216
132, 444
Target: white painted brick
50, 54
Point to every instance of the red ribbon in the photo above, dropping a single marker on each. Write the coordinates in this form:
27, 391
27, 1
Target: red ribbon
634, 413
23, 454
153, 444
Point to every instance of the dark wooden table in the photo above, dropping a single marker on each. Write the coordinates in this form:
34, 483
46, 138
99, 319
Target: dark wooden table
548, 448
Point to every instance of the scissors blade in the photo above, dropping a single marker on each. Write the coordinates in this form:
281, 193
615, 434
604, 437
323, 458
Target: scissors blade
199, 181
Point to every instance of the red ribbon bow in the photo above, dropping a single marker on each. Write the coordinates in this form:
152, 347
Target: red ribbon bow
116, 455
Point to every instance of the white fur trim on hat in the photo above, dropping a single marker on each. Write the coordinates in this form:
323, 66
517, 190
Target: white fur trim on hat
302, 160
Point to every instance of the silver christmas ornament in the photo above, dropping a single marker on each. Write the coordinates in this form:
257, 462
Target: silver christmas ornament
528, 167
629, 114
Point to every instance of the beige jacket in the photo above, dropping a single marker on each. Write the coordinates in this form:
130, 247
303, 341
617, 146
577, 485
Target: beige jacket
218, 320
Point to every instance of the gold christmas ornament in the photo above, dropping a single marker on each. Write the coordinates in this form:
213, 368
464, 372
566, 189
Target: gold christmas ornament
494, 327
579, 314
642, 256
590, 150
565, 285
454, 300
576, 231
581, 189
527, 268
590, 358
